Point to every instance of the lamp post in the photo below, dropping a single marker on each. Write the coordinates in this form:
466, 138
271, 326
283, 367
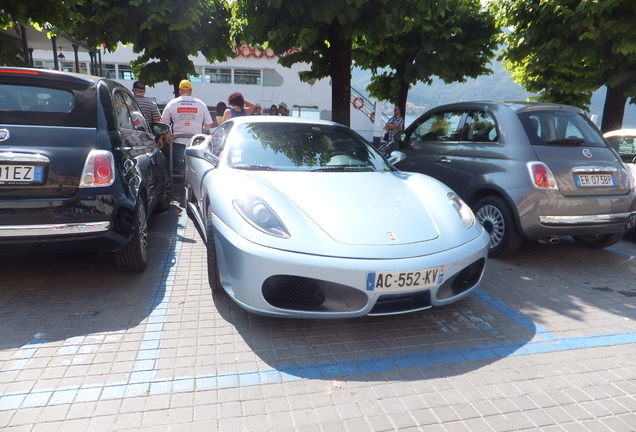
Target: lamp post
62, 57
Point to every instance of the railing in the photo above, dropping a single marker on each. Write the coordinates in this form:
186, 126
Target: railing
364, 104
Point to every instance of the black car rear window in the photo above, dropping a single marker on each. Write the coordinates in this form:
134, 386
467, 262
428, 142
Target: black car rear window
561, 128
40, 99
46, 106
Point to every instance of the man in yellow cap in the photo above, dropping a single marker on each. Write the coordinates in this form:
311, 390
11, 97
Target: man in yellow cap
188, 116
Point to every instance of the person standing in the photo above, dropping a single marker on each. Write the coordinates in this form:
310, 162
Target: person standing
258, 109
273, 110
395, 124
148, 106
188, 116
238, 106
282, 109
218, 115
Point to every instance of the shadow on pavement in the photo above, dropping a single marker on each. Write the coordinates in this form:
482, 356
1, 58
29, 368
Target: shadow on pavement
451, 336
58, 296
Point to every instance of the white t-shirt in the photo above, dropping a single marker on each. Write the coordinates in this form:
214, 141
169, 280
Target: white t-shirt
187, 115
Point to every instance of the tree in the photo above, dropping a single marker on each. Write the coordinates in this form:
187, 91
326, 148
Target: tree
566, 49
454, 45
326, 32
165, 32
26, 13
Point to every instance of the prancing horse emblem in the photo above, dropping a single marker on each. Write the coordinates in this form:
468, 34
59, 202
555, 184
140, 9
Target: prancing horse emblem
391, 236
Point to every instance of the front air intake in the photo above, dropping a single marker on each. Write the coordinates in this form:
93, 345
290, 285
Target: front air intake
293, 292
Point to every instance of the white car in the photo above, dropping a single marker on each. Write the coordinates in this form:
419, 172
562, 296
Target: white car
624, 142
306, 219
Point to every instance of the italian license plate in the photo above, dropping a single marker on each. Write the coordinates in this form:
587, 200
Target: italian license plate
395, 281
21, 174
595, 180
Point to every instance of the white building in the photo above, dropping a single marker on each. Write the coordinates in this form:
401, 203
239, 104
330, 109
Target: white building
256, 75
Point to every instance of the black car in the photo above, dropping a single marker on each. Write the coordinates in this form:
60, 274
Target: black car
80, 169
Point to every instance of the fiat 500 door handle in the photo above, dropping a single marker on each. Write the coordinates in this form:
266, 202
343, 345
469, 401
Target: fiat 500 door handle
443, 160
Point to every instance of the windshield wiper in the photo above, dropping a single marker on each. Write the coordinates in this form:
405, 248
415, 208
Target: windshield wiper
343, 169
255, 167
567, 141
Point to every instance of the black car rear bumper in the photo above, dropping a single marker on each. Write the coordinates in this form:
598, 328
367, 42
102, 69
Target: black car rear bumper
51, 230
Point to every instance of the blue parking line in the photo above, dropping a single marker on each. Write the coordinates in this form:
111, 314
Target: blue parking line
143, 380
620, 252
27, 353
144, 368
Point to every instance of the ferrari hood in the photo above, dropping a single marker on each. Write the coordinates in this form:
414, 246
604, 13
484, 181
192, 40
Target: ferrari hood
359, 208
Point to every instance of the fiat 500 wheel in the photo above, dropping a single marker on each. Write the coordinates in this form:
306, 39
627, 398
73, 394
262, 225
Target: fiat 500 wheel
134, 256
497, 218
598, 241
166, 195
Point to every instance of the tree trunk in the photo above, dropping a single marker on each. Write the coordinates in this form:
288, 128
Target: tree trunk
403, 92
614, 109
340, 68
175, 85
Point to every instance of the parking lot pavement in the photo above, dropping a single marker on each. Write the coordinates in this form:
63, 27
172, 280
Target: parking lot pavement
548, 343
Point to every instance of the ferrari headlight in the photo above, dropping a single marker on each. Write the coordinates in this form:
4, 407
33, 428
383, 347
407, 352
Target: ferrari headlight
256, 211
462, 209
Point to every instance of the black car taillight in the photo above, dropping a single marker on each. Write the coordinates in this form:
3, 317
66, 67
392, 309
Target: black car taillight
99, 169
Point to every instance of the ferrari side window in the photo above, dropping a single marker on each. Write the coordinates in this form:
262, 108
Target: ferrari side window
217, 141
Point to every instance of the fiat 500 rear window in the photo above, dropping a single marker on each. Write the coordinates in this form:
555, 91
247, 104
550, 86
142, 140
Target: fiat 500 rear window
35, 99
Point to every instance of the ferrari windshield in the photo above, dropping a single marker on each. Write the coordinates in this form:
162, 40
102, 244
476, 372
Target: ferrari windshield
301, 147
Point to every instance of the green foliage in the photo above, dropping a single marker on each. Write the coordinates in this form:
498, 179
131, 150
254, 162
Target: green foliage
164, 32
566, 49
26, 13
415, 39
453, 42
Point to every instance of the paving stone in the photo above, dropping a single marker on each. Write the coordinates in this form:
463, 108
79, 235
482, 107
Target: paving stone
547, 344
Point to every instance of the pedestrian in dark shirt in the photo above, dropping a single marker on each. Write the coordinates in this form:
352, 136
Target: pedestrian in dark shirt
148, 106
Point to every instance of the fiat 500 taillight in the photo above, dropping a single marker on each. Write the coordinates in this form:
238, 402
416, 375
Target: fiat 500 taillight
99, 169
541, 176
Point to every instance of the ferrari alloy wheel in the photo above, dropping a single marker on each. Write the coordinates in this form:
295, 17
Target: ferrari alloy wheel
213, 266
495, 216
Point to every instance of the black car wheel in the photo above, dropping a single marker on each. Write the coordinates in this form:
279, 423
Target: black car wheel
213, 266
166, 195
134, 256
495, 216
598, 241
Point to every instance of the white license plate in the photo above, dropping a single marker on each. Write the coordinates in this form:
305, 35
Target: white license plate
395, 281
595, 180
21, 174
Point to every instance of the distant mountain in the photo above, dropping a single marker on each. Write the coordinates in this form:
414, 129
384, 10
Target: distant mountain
497, 86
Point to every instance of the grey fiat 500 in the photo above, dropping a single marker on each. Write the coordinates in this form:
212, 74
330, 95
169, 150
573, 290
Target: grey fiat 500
528, 170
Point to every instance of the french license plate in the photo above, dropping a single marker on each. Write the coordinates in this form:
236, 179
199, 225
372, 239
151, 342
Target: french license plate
395, 281
21, 173
595, 180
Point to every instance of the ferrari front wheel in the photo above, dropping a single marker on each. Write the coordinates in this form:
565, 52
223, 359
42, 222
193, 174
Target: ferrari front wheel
213, 267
